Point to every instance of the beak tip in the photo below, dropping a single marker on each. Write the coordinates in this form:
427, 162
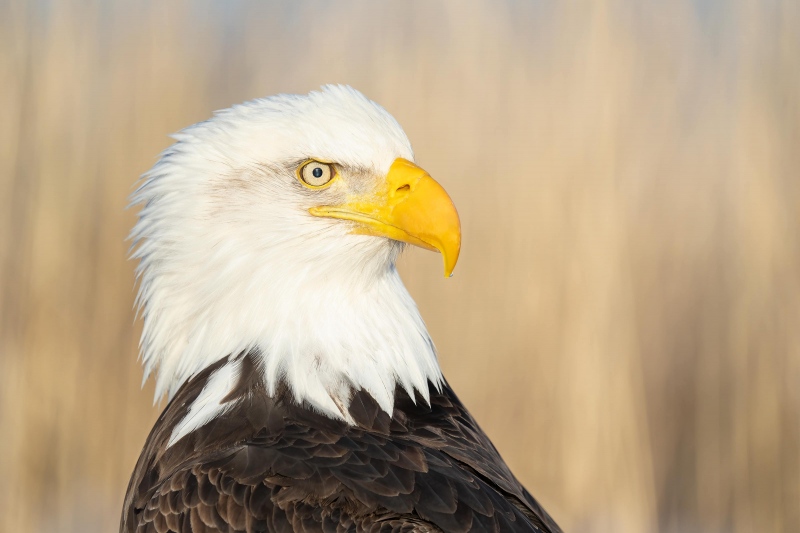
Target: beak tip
448, 270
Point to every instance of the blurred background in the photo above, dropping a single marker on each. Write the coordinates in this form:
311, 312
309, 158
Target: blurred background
623, 321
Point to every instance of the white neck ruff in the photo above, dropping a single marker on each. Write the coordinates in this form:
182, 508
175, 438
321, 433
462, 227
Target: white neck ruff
322, 344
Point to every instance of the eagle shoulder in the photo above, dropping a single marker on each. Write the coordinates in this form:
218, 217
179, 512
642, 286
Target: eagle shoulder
271, 465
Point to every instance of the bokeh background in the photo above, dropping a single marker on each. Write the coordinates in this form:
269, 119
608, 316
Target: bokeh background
625, 318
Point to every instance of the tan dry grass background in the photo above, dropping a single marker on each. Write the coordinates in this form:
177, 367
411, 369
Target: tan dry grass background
625, 318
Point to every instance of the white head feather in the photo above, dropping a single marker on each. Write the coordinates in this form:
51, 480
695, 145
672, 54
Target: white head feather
231, 260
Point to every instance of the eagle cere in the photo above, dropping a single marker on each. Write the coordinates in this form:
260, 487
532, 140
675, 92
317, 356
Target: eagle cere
304, 390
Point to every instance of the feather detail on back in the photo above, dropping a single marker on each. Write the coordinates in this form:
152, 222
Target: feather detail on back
273, 465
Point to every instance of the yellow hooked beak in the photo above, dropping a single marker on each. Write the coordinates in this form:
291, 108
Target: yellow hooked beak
411, 207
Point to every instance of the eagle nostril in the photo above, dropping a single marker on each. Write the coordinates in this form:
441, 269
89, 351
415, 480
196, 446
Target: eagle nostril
403, 189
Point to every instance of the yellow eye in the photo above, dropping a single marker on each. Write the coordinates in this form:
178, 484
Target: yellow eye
316, 174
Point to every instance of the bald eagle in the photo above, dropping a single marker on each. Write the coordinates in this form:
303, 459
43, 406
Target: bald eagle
304, 389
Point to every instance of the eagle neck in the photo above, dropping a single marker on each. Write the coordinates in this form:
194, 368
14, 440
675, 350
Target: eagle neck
328, 341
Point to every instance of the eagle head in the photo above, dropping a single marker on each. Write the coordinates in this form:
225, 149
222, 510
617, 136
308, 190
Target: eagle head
273, 229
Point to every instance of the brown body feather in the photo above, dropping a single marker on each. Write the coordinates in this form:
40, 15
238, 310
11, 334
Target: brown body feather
270, 465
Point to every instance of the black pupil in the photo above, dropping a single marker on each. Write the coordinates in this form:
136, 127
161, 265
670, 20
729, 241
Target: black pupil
317, 172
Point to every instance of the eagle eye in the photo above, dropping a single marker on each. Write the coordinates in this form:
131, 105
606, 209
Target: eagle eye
316, 174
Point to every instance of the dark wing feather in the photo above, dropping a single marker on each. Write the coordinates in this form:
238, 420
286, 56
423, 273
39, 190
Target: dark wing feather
271, 465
